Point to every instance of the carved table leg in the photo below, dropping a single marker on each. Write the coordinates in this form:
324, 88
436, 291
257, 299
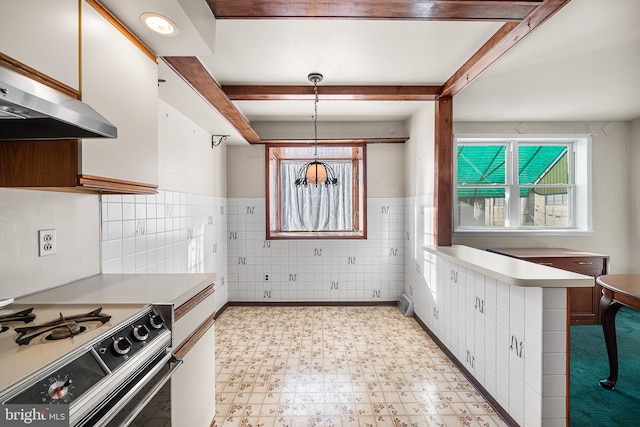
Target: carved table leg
609, 308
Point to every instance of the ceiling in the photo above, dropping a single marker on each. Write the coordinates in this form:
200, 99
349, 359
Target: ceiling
580, 64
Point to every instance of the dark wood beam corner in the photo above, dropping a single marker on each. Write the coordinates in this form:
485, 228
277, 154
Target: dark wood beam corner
504, 39
191, 70
433, 10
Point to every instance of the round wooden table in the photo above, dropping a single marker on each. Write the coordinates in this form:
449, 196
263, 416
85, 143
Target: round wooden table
617, 290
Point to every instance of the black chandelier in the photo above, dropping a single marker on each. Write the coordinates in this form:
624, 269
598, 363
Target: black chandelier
316, 172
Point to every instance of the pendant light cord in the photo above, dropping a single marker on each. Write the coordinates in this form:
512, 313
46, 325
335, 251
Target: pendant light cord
324, 174
315, 120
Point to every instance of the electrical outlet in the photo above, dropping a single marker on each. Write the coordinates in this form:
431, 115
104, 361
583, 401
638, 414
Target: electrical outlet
47, 242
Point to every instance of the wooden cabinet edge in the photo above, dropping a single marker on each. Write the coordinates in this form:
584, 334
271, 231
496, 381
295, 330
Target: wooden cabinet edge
95, 188
105, 185
32, 73
184, 348
193, 302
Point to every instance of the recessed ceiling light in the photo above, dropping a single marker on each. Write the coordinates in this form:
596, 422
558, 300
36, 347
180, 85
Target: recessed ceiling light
159, 24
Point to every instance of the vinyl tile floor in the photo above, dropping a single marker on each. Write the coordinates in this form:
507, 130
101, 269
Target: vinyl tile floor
337, 366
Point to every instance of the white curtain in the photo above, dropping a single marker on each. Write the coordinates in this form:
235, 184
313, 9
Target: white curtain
316, 208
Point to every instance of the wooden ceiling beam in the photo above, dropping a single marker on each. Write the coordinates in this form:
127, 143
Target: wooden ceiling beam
504, 39
450, 10
342, 93
195, 75
349, 141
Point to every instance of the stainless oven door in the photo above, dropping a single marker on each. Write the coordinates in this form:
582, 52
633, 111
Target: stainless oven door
125, 408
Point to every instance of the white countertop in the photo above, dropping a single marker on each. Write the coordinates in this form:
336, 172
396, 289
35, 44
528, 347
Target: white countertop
511, 270
173, 289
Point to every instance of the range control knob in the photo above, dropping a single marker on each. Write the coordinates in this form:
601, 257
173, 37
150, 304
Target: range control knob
121, 345
140, 332
156, 321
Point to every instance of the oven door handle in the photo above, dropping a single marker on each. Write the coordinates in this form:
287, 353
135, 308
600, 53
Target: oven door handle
175, 363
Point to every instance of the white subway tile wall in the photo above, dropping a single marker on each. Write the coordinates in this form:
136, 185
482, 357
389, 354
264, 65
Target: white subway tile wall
173, 232
315, 270
168, 232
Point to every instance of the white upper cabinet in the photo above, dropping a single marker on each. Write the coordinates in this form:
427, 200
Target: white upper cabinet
42, 35
120, 81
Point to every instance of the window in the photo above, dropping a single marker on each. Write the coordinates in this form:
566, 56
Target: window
312, 212
523, 183
556, 199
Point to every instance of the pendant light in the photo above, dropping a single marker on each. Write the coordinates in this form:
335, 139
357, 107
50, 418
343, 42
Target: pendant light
316, 172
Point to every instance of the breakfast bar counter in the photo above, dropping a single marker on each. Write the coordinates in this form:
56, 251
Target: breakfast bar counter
506, 322
509, 270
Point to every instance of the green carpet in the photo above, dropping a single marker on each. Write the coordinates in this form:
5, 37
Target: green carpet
590, 404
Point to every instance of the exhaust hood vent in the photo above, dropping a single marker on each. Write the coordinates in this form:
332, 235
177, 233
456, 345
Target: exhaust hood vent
27, 116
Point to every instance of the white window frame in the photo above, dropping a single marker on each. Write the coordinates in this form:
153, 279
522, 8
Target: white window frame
580, 197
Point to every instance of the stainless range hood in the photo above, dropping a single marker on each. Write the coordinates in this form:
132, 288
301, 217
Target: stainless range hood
41, 113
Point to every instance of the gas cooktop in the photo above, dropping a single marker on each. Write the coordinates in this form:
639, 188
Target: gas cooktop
35, 336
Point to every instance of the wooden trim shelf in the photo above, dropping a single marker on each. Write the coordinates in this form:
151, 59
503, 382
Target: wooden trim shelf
185, 308
114, 186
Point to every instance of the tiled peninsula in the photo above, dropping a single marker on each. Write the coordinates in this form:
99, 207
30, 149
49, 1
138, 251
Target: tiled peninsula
505, 320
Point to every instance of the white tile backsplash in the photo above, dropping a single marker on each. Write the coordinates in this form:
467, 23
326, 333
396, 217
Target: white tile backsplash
169, 232
315, 270
181, 232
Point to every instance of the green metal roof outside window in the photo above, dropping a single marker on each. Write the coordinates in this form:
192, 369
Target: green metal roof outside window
484, 165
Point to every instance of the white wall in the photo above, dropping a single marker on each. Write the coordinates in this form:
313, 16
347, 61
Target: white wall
419, 172
612, 190
75, 217
245, 171
187, 162
385, 170
419, 153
